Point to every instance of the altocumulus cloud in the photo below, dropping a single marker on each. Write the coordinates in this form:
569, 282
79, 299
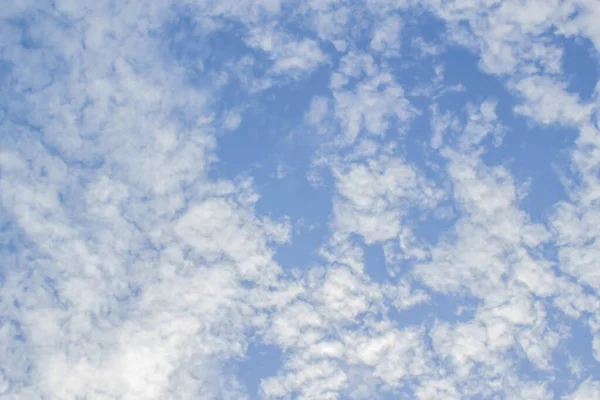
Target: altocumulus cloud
299, 199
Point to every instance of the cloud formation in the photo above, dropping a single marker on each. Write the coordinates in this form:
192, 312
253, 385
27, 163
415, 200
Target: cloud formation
140, 260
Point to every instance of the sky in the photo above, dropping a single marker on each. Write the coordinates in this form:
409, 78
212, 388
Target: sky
304, 199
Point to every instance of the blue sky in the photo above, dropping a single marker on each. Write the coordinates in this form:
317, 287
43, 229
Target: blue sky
268, 199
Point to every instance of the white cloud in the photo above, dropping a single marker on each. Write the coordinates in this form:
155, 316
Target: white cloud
130, 273
582, 23
548, 102
327, 353
374, 197
386, 37
440, 124
587, 390
370, 107
404, 297
289, 57
110, 302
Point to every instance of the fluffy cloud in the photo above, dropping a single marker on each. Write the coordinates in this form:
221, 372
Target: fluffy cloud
135, 266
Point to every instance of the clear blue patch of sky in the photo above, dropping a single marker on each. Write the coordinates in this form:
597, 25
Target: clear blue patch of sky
431, 227
440, 307
268, 134
271, 135
581, 65
577, 347
374, 261
262, 361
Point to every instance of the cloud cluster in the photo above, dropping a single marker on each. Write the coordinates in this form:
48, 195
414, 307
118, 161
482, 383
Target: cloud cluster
132, 268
